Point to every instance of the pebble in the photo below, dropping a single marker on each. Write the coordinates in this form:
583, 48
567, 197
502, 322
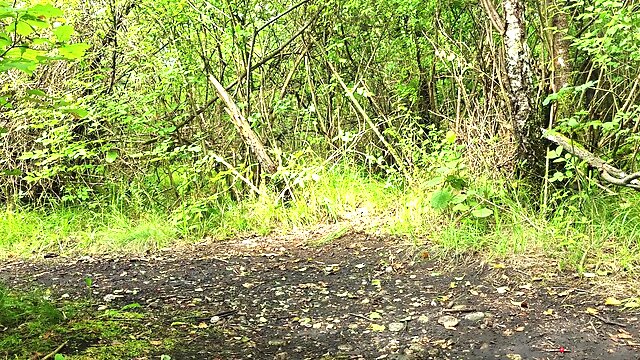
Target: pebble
396, 326
448, 321
474, 316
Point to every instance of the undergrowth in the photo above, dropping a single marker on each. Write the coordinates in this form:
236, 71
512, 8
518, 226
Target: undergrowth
33, 326
583, 232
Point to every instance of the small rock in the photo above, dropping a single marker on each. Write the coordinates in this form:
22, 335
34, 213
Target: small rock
423, 319
276, 342
474, 316
396, 326
448, 321
281, 356
345, 347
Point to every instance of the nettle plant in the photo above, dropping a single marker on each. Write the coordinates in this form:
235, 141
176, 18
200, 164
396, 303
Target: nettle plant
454, 194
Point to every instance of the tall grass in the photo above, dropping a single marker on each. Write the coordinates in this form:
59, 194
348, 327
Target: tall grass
597, 231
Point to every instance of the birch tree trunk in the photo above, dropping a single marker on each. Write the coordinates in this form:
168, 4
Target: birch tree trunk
526, 124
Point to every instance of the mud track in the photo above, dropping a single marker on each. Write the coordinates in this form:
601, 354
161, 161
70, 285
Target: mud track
358, 297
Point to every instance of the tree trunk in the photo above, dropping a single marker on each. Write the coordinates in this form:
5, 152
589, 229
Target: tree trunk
518, 59
561, 75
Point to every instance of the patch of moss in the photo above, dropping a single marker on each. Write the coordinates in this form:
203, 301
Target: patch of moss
33, 326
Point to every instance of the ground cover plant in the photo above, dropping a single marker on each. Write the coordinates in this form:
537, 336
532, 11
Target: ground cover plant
475, 138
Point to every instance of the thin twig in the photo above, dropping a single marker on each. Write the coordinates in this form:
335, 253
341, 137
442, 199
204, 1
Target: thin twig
361, 317
459, 310
607, 321
54, 352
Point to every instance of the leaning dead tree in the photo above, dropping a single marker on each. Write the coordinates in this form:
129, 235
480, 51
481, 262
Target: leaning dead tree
609, 173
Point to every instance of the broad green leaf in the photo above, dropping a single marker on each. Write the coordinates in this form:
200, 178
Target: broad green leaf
459, 198
37, 23
14, 172
587, 85
22, 65
45, 10
441, 199
4, 40
24, 29
41, 41
78, 112
73, 51
482, 212
462, 207
111, 156
36, 92
450, 138
435, 181
63, 33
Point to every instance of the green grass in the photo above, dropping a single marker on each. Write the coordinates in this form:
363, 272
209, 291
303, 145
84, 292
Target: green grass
27, 231
33, 326
591, 231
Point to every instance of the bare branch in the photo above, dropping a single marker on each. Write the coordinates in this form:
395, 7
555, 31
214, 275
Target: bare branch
608, 172
494, 17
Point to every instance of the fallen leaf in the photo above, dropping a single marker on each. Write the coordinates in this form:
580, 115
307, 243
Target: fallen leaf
612, 301
632, 304
377, 328
548, 312
155, 342
520, 329
375, 315
499, 266
514, 357
525, 286
591, 311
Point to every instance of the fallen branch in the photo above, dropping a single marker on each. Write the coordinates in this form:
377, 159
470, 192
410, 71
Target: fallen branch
608, 172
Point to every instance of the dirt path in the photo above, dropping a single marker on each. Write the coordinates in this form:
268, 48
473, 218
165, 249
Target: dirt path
358, 297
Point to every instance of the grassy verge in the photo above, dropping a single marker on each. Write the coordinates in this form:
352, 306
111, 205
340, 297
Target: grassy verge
589, 232
31, 326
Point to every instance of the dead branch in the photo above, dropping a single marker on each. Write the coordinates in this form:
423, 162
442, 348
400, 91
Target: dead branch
244, 128
492, 14
608, 172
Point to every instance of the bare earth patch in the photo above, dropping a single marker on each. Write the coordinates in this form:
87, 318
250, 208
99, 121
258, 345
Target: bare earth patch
357, 297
